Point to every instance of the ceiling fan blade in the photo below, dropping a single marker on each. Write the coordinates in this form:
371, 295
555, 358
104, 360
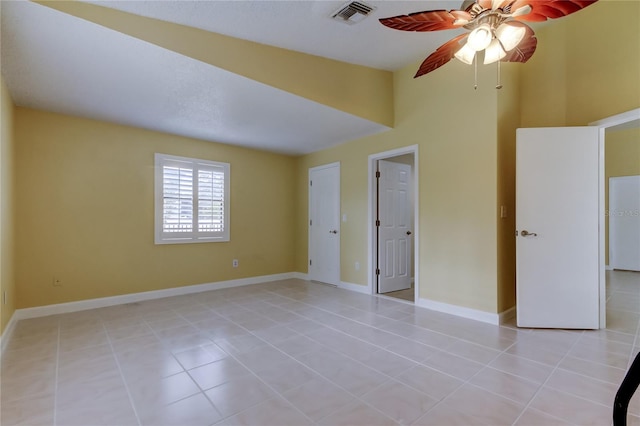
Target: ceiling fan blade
431, 20
525, 49
541, 10
441, 56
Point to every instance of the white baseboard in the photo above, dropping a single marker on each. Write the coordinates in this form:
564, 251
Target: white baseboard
354, 287
460, 311
300, 276
8, 332
82, 305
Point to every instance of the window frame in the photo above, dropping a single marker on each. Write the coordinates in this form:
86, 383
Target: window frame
194, 236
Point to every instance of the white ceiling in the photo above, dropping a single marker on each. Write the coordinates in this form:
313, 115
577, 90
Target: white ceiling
57, 62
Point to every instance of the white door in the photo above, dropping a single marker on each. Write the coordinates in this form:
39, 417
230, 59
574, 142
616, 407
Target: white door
557, 216
624, 223
324, 224
395, 229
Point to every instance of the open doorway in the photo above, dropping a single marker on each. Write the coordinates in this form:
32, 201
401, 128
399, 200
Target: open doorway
609, 128
622, 226
393, 189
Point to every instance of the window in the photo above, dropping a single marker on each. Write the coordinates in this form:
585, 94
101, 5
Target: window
192, 200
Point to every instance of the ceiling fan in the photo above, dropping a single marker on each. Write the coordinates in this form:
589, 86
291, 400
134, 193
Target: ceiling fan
496, 31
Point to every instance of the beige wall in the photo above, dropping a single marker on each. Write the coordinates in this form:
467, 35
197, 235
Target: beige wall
579, 75
622, 158
508, 122
586, 67
455, 129
7, 281
85, 212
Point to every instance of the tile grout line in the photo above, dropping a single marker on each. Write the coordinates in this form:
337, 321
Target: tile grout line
253, 373
468, 382
547, 380
281, 395
419, 364
124, 380
382, 314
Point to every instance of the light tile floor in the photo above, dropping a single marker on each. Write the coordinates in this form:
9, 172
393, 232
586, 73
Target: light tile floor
296, 353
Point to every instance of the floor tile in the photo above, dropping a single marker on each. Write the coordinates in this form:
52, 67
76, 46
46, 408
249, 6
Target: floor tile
453, 365
399, 402
238, 394
532, 417
357, 414
444, 414
489, 408
522, 367
294, 352
582, 386
506, 385
147, 394
196, 410
35, 410
286, 375
217, 373
431, 382
571, 408
271, 412
318, 398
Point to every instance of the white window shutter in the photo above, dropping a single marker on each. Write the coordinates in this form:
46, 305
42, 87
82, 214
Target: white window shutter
192, 200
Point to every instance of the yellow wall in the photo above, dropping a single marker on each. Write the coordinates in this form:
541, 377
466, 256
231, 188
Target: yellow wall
586, 67
85, 212
508, 122
455, 129
622, 158
84, 205
7, 281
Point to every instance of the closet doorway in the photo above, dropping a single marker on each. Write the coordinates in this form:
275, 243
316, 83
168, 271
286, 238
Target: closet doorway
393, 199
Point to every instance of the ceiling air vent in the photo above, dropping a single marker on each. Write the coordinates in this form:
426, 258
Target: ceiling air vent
352, 13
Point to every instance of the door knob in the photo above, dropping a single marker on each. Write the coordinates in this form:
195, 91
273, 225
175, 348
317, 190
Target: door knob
408, 232
527, 234
333, 231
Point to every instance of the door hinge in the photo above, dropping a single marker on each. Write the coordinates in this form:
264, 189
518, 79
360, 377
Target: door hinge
309, 262
310, 222
377, 271
377, 223
378, 174
310, 183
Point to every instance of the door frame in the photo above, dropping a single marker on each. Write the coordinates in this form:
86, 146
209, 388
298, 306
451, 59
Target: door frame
336, 278
624, 120
371, 217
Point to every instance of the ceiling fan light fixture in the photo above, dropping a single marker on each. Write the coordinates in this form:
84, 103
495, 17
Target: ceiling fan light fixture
510, 35
497, 30
466, 54
480, 37
494, 52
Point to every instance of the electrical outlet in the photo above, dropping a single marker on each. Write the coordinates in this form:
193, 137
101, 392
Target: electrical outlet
235, 263
357, 266
56, 282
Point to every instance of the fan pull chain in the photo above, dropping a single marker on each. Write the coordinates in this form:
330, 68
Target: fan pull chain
475, 72
498, 84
